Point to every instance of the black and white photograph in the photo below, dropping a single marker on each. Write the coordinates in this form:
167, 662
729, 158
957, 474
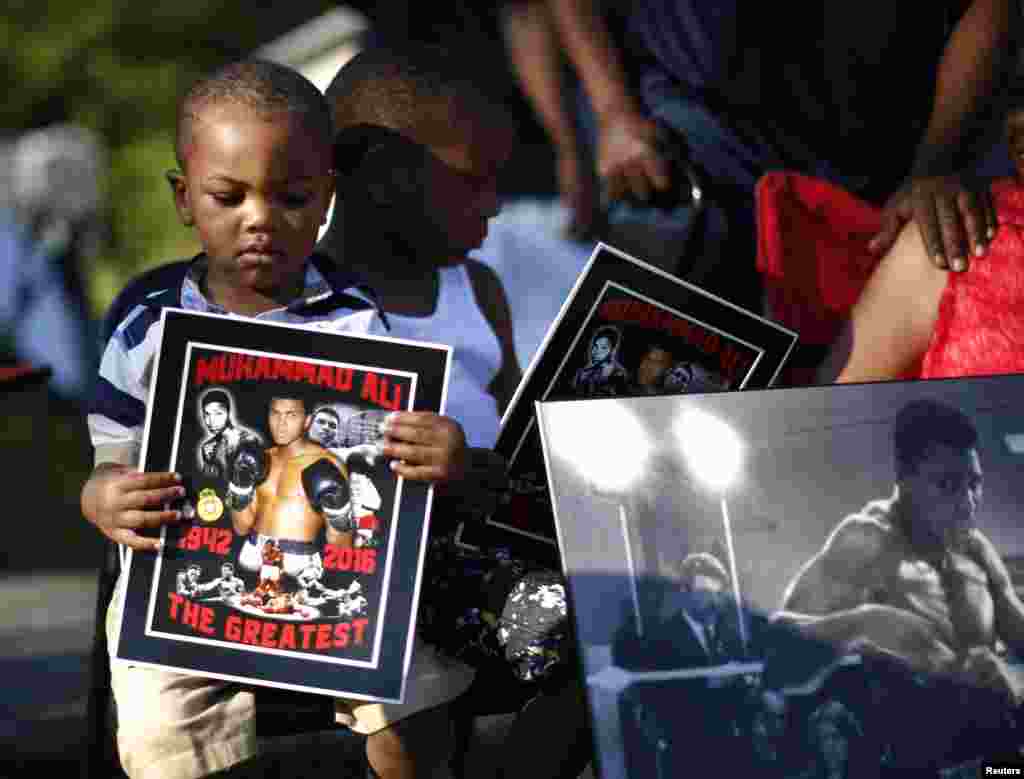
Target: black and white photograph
816, 582
300, 543
627, 329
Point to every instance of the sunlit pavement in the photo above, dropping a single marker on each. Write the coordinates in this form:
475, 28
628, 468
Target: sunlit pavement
46, 630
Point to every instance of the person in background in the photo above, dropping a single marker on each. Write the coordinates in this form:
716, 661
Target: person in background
419, 147
738, 95
254, 147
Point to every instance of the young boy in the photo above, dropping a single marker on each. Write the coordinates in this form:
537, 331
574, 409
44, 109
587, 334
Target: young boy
419, 148
254, 148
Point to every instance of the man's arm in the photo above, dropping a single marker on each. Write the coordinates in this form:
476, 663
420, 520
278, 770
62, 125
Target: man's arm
827, 600
981, 665
839, 575
1009, 610
627, 153
205, 587
971, 64
954, 222
531, 40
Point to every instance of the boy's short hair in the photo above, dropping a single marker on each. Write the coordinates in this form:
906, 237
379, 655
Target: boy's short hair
420, 90
922, 424
264, 87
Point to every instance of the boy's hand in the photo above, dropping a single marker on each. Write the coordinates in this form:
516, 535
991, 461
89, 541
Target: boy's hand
424, 446
118, 500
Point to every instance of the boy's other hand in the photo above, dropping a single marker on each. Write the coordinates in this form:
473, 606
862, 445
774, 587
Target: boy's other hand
957, 221
424, 446
119, 500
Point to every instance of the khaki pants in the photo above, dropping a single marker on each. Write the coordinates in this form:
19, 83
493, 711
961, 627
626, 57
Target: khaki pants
178, 726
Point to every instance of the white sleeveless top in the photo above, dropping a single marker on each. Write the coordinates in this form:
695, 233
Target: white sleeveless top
476, 353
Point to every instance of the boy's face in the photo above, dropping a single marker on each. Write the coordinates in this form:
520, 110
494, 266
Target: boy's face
256, 188
461, 187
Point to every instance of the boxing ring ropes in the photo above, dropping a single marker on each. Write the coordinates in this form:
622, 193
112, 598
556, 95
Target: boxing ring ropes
606, 687
713, 451
714, 454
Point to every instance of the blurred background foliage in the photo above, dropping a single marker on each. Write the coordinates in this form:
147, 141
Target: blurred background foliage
117, 67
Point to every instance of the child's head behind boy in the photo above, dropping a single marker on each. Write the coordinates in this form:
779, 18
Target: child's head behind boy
419, 148
254, 147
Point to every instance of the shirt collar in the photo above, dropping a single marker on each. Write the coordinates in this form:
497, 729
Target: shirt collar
322, 282
315, 288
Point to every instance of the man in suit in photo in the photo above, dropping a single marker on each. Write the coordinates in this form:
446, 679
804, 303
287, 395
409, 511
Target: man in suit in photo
694, 626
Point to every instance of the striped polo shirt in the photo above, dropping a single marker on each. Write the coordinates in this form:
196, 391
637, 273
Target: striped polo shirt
117, 408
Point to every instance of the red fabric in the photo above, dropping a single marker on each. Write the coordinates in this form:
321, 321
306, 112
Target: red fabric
812, 252
980, 328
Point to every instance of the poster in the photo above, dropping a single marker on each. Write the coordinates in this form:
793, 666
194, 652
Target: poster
816, 582
298, 562
626, 329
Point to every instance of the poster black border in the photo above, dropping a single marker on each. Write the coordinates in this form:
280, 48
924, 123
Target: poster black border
610, 266
943, 389
431, 364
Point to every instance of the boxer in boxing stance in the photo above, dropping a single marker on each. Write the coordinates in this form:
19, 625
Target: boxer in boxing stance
227, 584
225, 435
187, 581
913, 577
289, 492
325, 429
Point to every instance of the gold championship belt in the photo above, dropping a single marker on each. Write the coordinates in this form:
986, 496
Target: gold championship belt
209, 506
